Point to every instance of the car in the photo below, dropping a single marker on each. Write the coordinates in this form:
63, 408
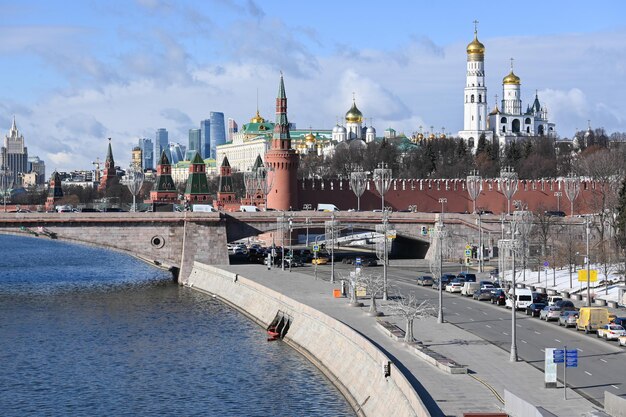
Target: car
482, 295
534, 309
611, 331
456, 285
481, 212
554, 213
550, 313
568, 318
467, 276
620, 320
552, 299
321, 260
498, 297
622, 340
539, 297
369, 262
348, 260
446, 278
425, 280
565, 305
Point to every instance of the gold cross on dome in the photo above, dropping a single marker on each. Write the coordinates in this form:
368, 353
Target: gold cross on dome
475, 26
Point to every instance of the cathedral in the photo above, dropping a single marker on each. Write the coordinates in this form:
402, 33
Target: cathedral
503, 124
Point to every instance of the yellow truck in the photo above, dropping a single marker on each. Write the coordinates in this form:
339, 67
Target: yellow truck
592, 318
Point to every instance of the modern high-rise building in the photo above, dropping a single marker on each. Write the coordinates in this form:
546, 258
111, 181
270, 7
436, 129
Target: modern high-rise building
161, 142
195, 143
218, 131
176, 153
13, 157
232, 129
136, 158
37, 166
147, 153
205, 138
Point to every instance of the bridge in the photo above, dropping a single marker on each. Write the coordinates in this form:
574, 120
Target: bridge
175, 240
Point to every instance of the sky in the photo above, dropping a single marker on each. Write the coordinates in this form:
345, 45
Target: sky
75, 73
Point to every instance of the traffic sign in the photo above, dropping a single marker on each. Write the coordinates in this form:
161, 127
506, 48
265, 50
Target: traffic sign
571, 358
582, 275
546, 264
468, 252
358, 261
316, 248
468, 247
559, 355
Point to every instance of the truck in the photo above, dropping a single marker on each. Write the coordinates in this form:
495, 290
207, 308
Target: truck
469, 288
204, 208
327, 207
249, 209
523, 298
592, 318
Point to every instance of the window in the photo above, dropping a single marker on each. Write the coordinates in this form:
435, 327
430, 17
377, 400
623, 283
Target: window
480, 98
472, 98
527, 121
503, 120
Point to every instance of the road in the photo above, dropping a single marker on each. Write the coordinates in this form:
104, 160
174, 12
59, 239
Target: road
601, 364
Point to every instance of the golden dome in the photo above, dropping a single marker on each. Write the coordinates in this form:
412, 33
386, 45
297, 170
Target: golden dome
310, 138
511, 79
420, 136
257, 118
431, 136
442, 136
475, 47
354, 115
495, 110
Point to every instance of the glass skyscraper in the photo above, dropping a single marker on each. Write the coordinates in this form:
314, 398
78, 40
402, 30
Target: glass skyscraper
195, 143
205, 138
217, 131
161, 143
147, 153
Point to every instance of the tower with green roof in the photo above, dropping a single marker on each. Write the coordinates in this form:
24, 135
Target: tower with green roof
197, 190
164, 190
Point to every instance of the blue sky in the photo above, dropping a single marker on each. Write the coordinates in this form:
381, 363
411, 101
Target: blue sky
76, 72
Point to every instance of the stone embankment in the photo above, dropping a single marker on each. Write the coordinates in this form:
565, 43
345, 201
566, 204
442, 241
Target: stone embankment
367, 377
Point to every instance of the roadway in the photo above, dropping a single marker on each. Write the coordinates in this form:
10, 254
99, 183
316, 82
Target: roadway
601, 364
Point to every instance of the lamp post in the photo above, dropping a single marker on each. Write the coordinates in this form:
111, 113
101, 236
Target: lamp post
134, 182
436, 265
330, 229
442, 201
558, 195
382, 252
4, 173
508, 185
358, 180
382, 180
474, 183
290, 245
588, 262
572, 189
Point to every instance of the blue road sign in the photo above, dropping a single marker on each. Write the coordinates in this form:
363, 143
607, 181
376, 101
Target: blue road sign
571, 363
571, 358
558, 355
357, 261
571, 354
546, 264
316, 248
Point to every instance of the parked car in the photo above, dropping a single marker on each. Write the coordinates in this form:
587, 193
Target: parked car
611, 331
568, 318
482, 295
534, 309
620, 320
550, 313
321, 260
552, 299
554, 213
456, 285
467, 276
425, 281
498, 297
565, 305
539, 297
369, 262
469, 288
348, 260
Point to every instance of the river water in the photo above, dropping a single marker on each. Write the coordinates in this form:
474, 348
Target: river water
89, 332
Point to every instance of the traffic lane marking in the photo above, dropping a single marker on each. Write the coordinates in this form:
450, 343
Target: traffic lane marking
588, 373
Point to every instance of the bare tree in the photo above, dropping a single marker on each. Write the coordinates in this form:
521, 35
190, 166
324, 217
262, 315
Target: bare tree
375, 285
411, 309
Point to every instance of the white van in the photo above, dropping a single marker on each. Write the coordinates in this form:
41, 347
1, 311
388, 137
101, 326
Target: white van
469, 288
205, 208
249, 209
327, 207
552, 299
524, 298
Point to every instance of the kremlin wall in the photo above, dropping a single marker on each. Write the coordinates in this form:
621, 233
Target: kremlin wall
423, 196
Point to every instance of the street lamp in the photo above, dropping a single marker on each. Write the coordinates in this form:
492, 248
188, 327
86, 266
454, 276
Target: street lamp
572, 189
442, 201
436, 265
134, 181
5, 172
290, 245
382, 180
508, 185
358, 180
587, 224
331, 229
474, 184
558, 195
381, 251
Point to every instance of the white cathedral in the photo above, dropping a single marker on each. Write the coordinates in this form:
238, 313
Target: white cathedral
500, 125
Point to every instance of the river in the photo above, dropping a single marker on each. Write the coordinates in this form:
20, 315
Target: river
90, 332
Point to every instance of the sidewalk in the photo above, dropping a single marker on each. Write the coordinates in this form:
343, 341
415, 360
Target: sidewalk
444, 394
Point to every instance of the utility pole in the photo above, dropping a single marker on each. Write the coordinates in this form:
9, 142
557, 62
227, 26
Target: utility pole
588, 262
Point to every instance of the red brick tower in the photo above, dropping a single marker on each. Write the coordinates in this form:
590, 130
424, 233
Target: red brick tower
164, 189
226, 198
282, 159
109, 170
